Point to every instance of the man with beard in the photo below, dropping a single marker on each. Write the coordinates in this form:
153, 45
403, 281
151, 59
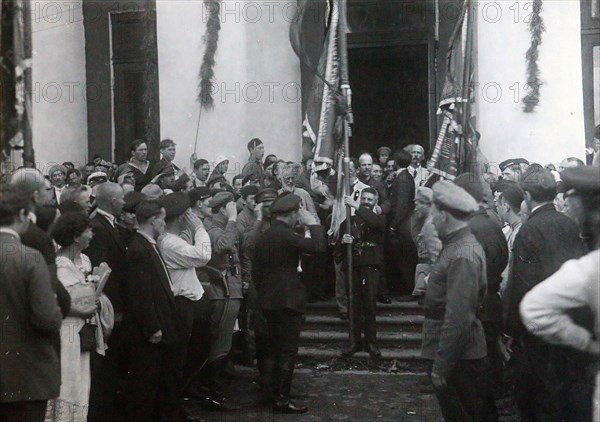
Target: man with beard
366, 238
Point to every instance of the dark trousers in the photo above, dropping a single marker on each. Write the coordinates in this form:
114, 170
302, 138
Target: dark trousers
284, 333
365, 282
199, 341
552, 383
401, 258
467, 397
23, 411
151, 391
189, 311
492, 330
108, 375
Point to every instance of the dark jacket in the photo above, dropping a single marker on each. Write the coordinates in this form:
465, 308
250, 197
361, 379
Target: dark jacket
368, 230
275, 265
107, 246
159, 167
29, 362
150, 300
141, 179
490, 236
546, 241
456, 290
402, 195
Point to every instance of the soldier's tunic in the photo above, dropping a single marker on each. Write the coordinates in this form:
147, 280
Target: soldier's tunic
453, 336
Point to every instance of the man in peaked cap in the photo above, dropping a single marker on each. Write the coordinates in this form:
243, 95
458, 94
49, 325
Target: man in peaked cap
453, 337
582, 191
281, 293
544, 243
181, 259
199, 200
223, 291
513, 168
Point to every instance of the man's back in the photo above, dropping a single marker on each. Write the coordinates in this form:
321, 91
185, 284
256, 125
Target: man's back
29, 364
546, 241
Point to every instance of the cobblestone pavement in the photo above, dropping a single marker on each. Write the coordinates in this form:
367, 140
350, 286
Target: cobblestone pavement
333, 396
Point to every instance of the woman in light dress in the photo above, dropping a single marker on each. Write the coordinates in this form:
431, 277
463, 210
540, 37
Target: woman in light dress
73, 233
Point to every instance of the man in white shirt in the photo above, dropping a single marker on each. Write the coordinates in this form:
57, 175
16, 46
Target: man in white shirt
58, 178
182, 259
418, 172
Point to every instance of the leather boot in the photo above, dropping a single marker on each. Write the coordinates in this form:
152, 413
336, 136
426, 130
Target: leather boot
282, 402
355, 340
216, 400
374, 352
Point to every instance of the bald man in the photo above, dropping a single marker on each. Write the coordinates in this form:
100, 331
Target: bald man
108, 246
418, 172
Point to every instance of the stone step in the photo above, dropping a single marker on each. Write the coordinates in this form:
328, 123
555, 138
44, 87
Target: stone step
395, 308
308, 353
395, 323
340, 340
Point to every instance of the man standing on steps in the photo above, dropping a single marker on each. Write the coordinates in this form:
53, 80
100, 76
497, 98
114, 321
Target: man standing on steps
281, 293
368, 230
453, 336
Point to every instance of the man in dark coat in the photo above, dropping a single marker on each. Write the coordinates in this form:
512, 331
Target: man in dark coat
453, 337
280, 291
107, 246
366, 238
29, 362
167, 150
152, 322
401, 252
490, 236
546, 240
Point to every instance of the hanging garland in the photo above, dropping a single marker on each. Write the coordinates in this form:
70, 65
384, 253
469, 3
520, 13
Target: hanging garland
537, 28
211, 38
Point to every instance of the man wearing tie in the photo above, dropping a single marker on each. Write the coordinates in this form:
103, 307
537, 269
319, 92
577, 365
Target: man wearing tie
418, 172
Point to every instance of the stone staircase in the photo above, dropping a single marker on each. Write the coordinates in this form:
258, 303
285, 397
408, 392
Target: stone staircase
399, 325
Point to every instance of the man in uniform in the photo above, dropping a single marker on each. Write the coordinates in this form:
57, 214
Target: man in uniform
368, 231
453, 336
225, 292
513, 169
254, 166
281, 293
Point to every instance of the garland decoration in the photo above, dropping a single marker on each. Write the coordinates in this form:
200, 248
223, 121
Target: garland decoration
537, 28
211, 38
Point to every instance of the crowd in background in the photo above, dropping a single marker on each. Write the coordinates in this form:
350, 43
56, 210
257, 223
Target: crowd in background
126, 288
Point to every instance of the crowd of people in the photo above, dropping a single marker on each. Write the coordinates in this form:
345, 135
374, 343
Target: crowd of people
128, 288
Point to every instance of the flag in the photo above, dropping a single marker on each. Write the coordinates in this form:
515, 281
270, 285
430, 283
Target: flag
15, 68
457, 142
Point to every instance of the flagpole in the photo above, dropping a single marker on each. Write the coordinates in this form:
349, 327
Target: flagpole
348, 120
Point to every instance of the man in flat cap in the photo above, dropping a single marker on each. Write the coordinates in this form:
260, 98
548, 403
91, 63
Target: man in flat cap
453, 336
545, 241
513, 168
199, 200
58, 178
264, 198
281, 293
223, 292
182, 259
254, 166
580, 185
547, 310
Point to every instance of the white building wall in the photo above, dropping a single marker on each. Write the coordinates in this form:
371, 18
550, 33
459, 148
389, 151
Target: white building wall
254, 72
58, 83
556, 129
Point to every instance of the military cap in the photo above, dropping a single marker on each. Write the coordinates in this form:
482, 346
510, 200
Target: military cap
199, 194
583, 180
266, 194
176, 204
286, 203
98, 177
249, 190
384, 150
220, 199
132, 199
472, 184
152, 191
452, 197
57, 167
511, 162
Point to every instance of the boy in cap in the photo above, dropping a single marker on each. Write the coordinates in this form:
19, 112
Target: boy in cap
254, 166
281, 293
182, 259
199, 200
453, 337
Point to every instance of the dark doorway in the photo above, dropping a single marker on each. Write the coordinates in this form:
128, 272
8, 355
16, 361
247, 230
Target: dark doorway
390, 96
